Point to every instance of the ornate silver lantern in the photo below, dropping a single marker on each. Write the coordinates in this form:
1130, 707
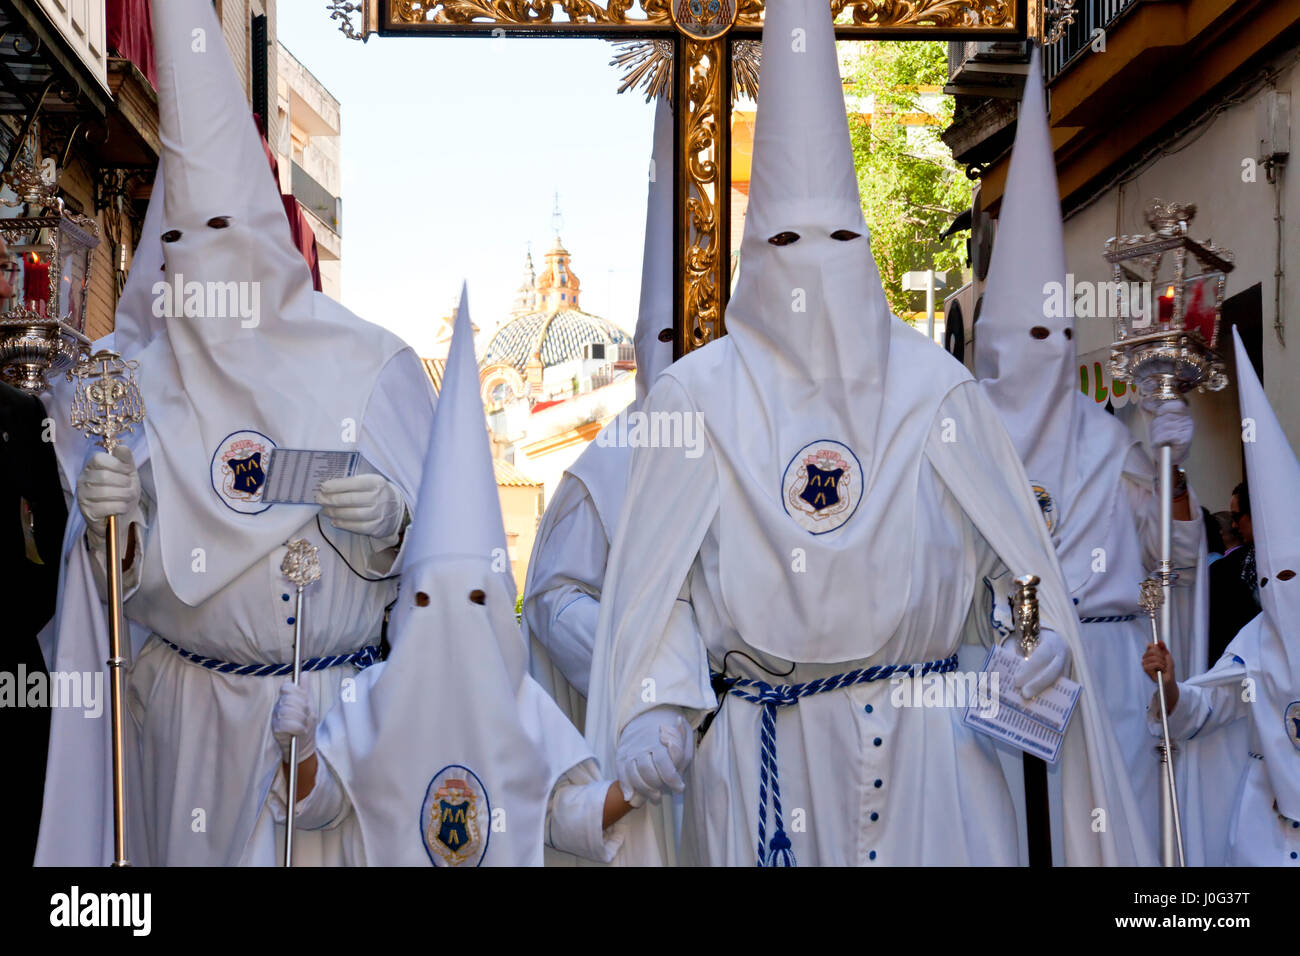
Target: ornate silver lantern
1173, 348
1164, 350
50, 248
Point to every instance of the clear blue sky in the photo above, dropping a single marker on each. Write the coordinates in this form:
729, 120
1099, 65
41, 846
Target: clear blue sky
452, 152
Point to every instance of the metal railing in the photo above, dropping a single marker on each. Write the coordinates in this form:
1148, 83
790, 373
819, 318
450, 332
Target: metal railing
1090, 16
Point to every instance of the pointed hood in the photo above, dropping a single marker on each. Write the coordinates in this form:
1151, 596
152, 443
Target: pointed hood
134, 321
215, 164
1274, 476
453, 623
817, 402
252, 358
1031, 381
602, 466
813, 306
458, 514
655, 314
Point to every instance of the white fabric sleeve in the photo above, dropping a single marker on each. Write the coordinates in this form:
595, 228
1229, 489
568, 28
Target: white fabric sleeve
575, 813
324, 808
1212, 701
562, 603
399, 415
646, 631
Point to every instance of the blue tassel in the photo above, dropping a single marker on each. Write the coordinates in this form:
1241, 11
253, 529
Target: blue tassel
779, 852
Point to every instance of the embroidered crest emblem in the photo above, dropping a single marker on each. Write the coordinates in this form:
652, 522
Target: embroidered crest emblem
238, 471
822, 486
455, 818
1291, 717
1046, 504
703, 19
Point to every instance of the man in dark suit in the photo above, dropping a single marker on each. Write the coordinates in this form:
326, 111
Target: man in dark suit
32, 518
1234, 590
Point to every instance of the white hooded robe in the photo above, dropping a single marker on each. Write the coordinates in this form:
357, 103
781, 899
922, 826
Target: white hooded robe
928, 496
1090, 475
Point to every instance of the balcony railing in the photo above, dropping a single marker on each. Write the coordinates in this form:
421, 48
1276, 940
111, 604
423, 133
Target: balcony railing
319, 200
1090, 16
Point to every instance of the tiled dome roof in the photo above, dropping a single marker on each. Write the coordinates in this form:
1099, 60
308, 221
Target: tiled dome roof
558, 336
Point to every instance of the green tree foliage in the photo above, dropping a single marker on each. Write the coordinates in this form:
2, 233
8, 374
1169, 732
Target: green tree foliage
911, 188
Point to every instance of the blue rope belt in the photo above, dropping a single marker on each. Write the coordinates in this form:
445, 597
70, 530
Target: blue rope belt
1112, 619
778, 852
359, 659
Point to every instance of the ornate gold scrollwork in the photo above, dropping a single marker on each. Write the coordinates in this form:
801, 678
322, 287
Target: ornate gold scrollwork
882, 14
648, 65
705, 261
526, 12
874, 14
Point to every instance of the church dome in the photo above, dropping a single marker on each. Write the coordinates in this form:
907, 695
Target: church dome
547, 320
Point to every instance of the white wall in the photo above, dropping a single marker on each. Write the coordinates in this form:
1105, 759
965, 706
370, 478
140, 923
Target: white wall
1235, 214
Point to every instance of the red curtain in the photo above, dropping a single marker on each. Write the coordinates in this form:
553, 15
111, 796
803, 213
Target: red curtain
303, 237
130, 33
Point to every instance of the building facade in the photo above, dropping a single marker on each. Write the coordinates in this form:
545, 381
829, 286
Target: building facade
1185, 100
78, 106
551, 376
309, 150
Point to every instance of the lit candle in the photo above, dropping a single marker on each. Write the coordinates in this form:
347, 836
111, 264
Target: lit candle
36, 283
1166, 306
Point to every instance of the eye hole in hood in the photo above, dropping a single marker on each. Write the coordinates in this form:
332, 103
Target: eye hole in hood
845, 235
1040, 332
784, 238
171, 235
219, 222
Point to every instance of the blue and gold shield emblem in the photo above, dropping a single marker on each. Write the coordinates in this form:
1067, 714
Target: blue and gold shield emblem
455, 818
822, 486
1291, 717
247, 473
238, 470
453, 822
820, 491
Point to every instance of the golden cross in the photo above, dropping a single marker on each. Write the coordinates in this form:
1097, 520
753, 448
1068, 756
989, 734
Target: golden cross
698, 40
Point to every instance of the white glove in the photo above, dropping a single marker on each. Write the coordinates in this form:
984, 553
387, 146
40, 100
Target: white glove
1171, 424
653, 750
108, 485
364, 504
1049, 660
294, 716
